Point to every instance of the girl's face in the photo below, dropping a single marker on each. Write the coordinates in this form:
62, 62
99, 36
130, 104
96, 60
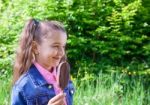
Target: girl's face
51, 49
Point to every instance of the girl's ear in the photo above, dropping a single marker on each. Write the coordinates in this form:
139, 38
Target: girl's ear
35, 47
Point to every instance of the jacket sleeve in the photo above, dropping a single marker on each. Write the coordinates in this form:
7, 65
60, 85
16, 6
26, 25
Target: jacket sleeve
17, 97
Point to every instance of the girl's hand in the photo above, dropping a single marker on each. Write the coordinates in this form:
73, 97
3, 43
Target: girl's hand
57, 100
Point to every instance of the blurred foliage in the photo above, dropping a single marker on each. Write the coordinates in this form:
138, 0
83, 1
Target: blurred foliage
104, 35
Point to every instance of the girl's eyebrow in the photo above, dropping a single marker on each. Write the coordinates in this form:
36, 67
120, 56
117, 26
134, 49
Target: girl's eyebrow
58, 43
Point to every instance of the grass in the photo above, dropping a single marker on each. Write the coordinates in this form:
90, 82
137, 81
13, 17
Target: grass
104, 90
5, 91
107, 91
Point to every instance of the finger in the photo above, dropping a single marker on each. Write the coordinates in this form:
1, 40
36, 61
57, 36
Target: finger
57, 97
59, 102
63, 103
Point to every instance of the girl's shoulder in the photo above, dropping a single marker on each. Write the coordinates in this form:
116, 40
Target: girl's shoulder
27, 86
31, 81
22, 82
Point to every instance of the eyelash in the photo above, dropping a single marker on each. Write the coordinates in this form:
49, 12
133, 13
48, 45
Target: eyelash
59, 46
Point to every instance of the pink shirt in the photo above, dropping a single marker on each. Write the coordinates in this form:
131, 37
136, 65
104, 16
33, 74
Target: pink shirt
50, 77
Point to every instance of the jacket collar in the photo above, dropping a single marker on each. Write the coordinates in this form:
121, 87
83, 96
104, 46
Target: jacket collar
36, 77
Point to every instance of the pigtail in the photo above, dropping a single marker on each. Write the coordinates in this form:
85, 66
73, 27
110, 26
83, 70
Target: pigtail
24, 53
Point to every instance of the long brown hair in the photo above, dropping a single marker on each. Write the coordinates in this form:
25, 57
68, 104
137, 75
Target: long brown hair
33, 31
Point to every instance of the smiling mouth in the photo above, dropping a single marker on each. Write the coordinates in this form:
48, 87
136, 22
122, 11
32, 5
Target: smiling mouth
56, 58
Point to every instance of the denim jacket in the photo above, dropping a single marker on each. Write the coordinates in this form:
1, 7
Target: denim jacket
33, 89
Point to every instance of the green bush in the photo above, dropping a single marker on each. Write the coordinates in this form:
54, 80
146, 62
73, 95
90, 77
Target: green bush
101, 32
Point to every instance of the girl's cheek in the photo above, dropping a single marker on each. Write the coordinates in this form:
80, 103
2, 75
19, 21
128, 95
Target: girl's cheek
53, 52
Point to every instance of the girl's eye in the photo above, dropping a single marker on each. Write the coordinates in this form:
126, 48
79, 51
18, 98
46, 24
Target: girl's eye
55, 46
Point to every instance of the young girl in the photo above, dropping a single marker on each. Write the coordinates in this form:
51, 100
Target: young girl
41, 50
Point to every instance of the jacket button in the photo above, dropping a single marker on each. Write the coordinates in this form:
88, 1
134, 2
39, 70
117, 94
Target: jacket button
50, 86
71, 91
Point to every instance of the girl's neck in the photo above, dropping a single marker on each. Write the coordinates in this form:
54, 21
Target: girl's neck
50, 69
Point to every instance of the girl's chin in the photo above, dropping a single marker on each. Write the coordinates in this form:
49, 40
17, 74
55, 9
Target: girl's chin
56, 64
